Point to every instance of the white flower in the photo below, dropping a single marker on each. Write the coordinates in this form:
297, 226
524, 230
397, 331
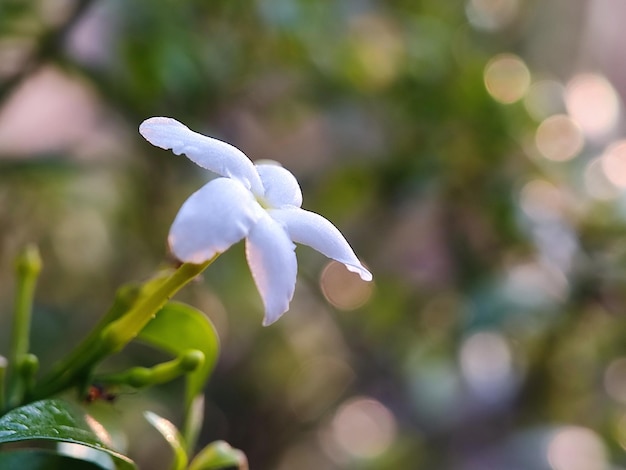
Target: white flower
259, 202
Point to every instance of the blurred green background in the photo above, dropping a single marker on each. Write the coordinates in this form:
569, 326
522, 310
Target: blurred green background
469, 151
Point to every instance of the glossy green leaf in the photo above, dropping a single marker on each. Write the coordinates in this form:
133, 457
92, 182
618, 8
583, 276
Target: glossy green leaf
173, 438
219, 455
39, 459
177, 328
58, 420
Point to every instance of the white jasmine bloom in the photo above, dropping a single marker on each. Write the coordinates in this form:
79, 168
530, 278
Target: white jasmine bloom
259, 202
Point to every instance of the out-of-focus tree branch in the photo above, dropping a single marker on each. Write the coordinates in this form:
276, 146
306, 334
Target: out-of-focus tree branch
49, 47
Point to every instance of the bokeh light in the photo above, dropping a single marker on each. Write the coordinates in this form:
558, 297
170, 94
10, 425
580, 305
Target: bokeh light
535, 283
491, 15
577, 448
597, 185
545, 98
487, 364
541, 200
362, 428
378, 49
615, 380
593, 103
559, 138
495, 316
343, 289
614, 163
620, 431
507, 78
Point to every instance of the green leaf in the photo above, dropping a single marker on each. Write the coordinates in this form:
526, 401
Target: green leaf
176, 328
173, 438
58, 420
219, 455
39, 459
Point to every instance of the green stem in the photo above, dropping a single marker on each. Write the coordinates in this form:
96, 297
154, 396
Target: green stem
140, 377
125, 298
131, 311
3, 374
118, 333
27, 267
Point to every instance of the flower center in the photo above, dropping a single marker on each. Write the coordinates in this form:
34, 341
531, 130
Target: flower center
263, 202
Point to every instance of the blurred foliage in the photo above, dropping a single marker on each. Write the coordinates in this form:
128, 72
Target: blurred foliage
494, 333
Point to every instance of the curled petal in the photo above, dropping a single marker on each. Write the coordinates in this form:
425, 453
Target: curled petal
215, 217
273, 264
281, 187
315, 231
209, 153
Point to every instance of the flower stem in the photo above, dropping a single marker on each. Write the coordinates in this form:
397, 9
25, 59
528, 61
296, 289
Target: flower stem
120, 332
3, 374
27, 267
132, 310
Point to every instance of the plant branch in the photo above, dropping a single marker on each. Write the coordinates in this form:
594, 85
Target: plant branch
48, 46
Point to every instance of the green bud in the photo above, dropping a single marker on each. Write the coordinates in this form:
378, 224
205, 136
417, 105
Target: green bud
28, 365
29, 263
191, 360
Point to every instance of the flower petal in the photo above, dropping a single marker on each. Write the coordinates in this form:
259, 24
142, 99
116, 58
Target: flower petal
315, 231
273, 264
281, 187
209, 153
215, 217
